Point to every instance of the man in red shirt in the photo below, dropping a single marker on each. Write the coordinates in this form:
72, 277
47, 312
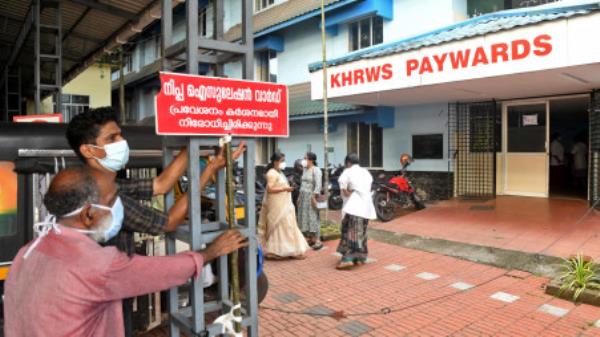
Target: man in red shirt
65, 284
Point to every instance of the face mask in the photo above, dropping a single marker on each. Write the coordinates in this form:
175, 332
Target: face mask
117, 155
304, 163
282, 165
109, 226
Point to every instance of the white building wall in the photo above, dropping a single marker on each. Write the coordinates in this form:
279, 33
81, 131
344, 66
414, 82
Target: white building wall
415, 120
307, 134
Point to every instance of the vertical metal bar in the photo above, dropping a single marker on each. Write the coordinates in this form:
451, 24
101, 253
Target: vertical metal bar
36, 69
218, 18
191, 16
59, 53
248, 39
19, 91
173, 295
223, 266
197, 290
5, 79
166, 24
234, 258
325, 110
251, 253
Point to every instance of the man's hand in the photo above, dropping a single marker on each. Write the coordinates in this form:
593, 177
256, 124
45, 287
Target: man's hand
228, 242
220, 160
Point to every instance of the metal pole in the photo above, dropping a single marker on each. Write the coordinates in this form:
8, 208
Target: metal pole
122, 87
325, 117
235, 276
36, 70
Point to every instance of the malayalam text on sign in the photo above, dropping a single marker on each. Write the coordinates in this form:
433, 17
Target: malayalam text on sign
201, 105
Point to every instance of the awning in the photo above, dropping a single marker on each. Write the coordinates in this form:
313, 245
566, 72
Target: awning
536, 51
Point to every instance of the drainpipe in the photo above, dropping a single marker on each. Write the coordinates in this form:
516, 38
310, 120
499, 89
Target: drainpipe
325, 117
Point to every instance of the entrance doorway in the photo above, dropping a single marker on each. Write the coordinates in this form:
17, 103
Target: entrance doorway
569, 134
525, 148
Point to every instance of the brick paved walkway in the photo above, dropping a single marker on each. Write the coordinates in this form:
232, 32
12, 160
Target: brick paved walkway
504, 304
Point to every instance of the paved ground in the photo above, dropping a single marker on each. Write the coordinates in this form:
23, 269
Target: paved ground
500, 303
535, 225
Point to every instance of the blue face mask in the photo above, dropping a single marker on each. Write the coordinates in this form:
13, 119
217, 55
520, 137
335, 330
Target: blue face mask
109, 226
117, 155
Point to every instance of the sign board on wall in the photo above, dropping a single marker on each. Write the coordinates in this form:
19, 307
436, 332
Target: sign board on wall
201, 105
551, 45
47, 118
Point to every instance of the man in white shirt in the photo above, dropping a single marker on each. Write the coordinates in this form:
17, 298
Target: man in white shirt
355, 184
580, 153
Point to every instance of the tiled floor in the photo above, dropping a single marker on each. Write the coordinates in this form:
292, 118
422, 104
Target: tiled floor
539, 225
494, 302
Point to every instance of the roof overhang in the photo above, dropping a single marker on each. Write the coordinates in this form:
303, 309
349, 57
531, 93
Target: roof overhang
550, 57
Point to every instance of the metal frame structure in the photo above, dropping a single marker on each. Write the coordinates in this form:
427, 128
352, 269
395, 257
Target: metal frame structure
473, 140
192, 50
594, 141
12, 93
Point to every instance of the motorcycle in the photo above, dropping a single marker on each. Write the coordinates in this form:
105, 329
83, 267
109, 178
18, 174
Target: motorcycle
335, 201
397, 191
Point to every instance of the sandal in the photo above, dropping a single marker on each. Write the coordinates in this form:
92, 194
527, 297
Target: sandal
298, 257
317, 246
270, 256
342, 265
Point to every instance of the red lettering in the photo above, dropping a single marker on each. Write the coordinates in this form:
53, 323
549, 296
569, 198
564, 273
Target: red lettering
542, 45
387, 71
335, 80
426, 66
480, 57
359, 75
373, 73
460, 58
347, 78
411, 65
499, 50
439, 60
520, 49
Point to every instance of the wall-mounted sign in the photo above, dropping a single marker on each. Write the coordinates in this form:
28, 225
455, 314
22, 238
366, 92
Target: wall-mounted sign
551, 45
200, 105
530, 120
47, 118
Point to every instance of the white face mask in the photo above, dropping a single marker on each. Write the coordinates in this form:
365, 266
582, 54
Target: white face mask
109, 226
282, 165
304, 163
117, 155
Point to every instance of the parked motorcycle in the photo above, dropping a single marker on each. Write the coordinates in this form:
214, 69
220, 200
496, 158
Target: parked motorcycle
397, 191
335, 201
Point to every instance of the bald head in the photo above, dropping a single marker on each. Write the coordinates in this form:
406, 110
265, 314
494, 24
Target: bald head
71, 189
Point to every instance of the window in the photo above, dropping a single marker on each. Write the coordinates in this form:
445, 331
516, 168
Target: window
526, 129
366, 140
428, 146
202, 22
8, 199
267, 66
73, 105
366, 32
480, 7
262, 4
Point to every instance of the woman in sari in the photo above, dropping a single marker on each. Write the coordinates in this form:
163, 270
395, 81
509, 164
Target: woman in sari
278, 231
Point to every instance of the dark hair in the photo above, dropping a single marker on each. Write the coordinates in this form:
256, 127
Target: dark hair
351, 159
84, 127
66, 195
276, 156
312, 157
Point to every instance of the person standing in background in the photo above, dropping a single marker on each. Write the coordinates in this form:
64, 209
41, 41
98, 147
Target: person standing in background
308, 214
278, 231
580, 165
355, 184
557, 161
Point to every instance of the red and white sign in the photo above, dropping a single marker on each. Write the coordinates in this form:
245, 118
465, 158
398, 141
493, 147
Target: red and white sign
200, 105
551, 45
47, 118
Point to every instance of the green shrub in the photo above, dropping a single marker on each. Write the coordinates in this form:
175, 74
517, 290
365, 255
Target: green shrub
579, 274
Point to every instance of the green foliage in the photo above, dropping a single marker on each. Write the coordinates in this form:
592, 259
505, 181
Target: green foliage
579, 274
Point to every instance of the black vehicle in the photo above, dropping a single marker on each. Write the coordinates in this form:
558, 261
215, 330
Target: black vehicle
395, 192
335, 201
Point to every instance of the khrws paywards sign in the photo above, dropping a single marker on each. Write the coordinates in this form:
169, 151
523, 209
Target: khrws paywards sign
211, 106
